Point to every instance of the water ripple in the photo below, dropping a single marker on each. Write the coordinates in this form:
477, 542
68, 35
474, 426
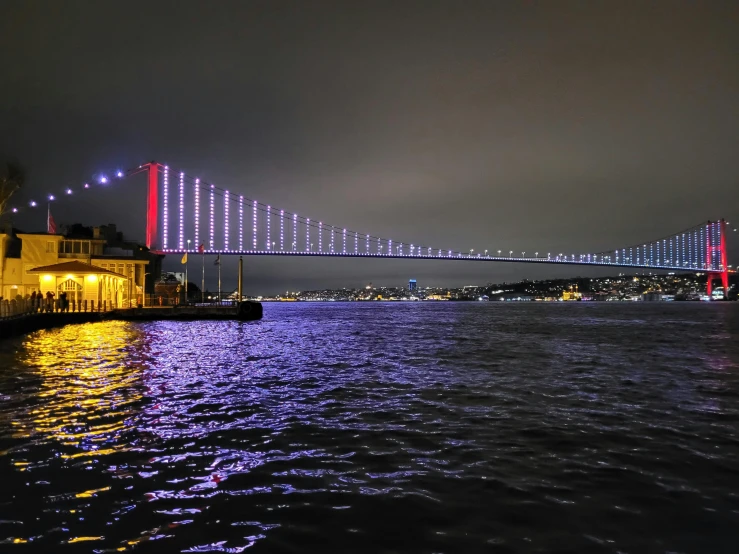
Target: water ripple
378, 428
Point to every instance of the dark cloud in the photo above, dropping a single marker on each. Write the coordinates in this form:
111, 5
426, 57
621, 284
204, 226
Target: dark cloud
562, 126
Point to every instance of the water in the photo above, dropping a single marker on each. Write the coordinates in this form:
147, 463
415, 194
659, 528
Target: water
449, 427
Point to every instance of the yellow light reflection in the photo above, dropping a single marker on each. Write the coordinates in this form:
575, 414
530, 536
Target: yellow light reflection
91, 493
89, 388
82, 539
92, 278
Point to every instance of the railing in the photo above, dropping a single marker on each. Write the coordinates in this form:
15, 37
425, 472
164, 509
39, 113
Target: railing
27, 307
162, 300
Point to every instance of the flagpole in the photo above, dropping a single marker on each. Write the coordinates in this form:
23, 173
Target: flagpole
219, 279
202, 284
187, 278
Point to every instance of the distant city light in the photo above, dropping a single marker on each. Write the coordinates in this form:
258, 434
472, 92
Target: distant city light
15, 210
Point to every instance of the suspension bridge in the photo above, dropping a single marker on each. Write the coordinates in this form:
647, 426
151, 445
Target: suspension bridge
225, 222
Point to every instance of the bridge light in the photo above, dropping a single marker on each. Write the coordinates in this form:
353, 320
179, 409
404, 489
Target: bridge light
15, 210
282, 229
295, 232
103, 180
119, 173
69, 191
87, 185
32, 203
51, 197
254, 225
241, 223
165, 209
182, 210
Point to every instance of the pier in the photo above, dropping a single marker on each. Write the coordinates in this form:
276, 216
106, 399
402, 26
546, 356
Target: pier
29, 322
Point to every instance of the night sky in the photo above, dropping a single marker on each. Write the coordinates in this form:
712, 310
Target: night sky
549, 126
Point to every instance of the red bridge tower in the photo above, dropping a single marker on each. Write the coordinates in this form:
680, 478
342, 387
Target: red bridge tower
717, 251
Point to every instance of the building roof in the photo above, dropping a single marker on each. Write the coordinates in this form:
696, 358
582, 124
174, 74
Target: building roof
75, 267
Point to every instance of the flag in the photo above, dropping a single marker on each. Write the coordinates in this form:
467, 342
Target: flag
184, 259
50, 223
201, 248
218, 260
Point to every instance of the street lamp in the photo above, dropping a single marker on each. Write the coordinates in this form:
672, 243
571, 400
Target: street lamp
510, 254
311, 247
143, 291
499, 253
523, 254
486, 253
472, 251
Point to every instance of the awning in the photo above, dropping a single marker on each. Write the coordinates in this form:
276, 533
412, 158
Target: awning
76, 268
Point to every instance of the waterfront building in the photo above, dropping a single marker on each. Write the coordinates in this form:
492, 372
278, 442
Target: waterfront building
412, 285
85, 268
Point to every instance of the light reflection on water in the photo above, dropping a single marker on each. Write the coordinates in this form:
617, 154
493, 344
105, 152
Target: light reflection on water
445, 428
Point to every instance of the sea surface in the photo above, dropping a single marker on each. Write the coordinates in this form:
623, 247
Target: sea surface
378, 428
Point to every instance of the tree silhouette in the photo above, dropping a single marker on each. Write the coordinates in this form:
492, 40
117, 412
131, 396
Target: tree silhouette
10, 182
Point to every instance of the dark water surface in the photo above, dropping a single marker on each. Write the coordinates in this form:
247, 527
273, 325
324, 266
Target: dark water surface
444, 427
